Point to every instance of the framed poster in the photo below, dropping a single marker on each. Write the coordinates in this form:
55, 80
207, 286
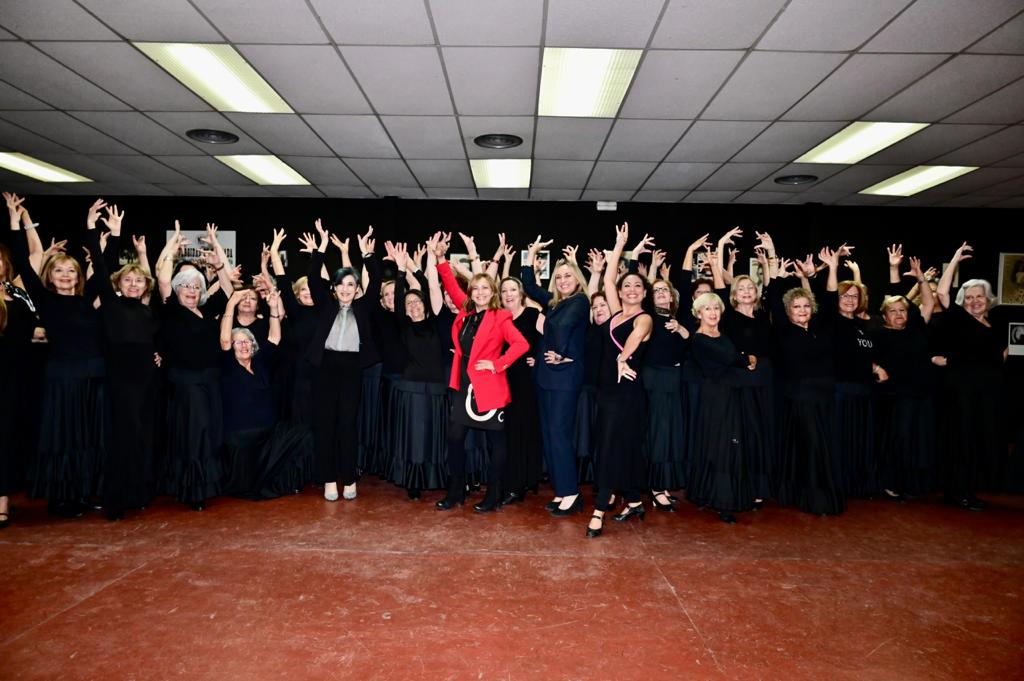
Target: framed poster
1011, 279
192, 251
1015, 342
543, 259
755, 273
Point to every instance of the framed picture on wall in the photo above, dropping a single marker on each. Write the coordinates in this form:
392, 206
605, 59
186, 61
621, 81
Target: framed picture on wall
1011, 279
1015, 341
543, 259
956, 276
755, 273
462, 259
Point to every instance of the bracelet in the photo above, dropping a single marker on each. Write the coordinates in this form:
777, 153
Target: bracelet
275, 316
31, 225
218, 269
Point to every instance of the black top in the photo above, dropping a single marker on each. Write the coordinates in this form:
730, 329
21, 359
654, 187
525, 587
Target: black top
21, 323
72, 324
717, 357
526, 324
468, 331
803, 354
906, 357
258, 327
593, 347
613, 339
327, 311
972, 346
750, 335
188, 341
853, 350
248, 398
388, 335
300, 324
422, 343
665, 348
125, 320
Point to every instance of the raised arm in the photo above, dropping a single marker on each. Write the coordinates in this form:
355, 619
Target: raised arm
19, 249
276, 313
434, 243
317, 286
831, 259
657, 259
595, 263
895, 254
927, 298
701, 242
371, 266
946, 282
717, 272
165, 262
611, 270
275, 252
218, 259
529, 277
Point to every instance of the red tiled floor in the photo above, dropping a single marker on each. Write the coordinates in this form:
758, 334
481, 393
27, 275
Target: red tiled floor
384, 588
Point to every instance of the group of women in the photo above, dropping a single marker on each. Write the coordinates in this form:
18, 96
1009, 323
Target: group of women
449, 376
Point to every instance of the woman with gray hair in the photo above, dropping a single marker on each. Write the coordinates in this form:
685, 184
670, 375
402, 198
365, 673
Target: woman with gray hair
972, 439
189, 345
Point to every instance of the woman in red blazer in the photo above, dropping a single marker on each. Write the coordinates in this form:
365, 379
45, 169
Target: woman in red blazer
480, 334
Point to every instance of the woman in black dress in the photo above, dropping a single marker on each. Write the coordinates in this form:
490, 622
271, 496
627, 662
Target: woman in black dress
586, 410
809, 476
264, 457
294, 369
973, 434
720, 477
622, 401
17, 322
190, 348
522, 428
905, 410
133, 379
70, 459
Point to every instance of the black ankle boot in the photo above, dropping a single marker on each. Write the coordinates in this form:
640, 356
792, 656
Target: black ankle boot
456, 495
492, 500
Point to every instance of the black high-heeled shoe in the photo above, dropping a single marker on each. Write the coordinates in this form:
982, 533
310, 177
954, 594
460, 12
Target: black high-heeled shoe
492, 500
456, 495
513, 498
727, 518
592, 532
631, 511
667, 507
576, 507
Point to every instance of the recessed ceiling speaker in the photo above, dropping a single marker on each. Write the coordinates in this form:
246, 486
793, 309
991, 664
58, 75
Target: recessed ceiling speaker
796, 179
498, 141
207, 136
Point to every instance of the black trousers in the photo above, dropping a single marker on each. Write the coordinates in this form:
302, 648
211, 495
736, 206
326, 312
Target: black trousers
337, 387
497, 442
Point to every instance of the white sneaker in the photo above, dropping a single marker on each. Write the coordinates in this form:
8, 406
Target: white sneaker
349, 493
331, 491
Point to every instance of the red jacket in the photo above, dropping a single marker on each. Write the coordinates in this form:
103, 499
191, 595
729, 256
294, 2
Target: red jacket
496, 329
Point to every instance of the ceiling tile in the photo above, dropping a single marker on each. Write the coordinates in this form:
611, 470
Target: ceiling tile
606, 195
680, 175
708, 141
582, 23
425, 136
401, 191
192, 190
497, 22
762, 197
739, 176
574, 139
768, 83
53, 20
922, 147
154, 20
978, 181
361, 136
87, 166
1012, 162
942, 25
474, 126
205, 169
714, 24
311, 78
401, 80
1013, 187
710, 197
7, 35
619, 175
346, 192
382, 22
375, 171
561, 174
504, 194
1017, 202
62, 128
493, 81
15, 138
114, 189
263, 21
442, 173
450, 193
126, 73
858, 177
658, 196
786, 141
143, 169
860, 84
812, 195
955, 84
988, 150
642, 140
677, 84
866, 200
30, 70
295, 191
281, 133
1007, 39
968, 201
137, 131
181, 122
1004, 106
838, 25
555, 194
819, 170
253, 191
321, 169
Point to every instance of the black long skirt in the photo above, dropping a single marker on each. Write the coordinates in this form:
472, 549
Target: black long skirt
133, 386
692, 379
72, 438
195, 434
665, 443
719, 477
855, 439
757, 399
906, 443
525, 463
622, 420
584, 435
266, 463
295, 375
418, 434
972, 431
809, 476
371, 457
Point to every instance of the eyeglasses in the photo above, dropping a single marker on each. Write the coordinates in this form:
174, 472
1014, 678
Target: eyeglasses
660, 289
191, 287
851, 296
241, 342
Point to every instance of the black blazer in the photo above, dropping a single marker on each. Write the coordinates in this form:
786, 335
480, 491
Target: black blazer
326, 306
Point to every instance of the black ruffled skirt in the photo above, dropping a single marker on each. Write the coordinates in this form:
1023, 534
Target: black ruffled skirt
370, 457
418, 434
809, 475
72, 438
719, 475
665, 443
855, 439
192, 470
906, 443
973, 442
583, 436
265, 463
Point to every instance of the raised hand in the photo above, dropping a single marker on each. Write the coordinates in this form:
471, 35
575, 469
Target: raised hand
664, 271
915, 269
569, 253
643, 247
400, 252
595, 261
539, 245
139, 242
279, 237
322, 231
641, 268
55, 248
14, 208
340, 244
657, 258
366, 243
94, 214
211, 234
730, 236
962, 253
264, 256
701, 242
930, 273
765, 240
783, 271
308, 243
470, 243
895, 253
418, 254
621, 235
852, 266
113, 219
730, 258
509, 252
827, 256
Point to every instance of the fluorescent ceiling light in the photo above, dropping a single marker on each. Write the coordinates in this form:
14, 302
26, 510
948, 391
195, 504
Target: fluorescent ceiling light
501, 173
263, 169
218, 74
859, 140
585, 82
917, 180
36, 169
